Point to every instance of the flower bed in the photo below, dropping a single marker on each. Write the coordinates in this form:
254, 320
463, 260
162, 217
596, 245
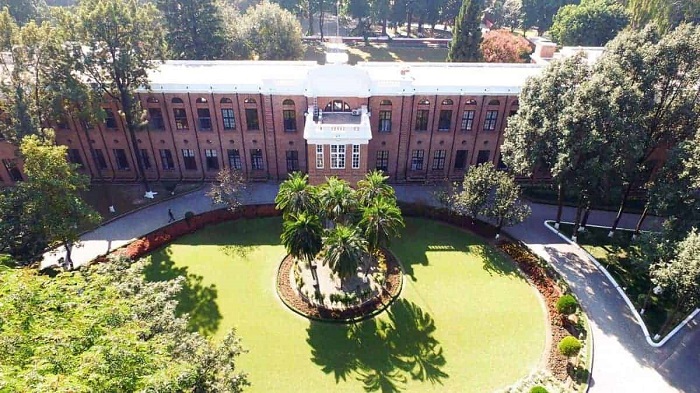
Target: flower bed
296, 302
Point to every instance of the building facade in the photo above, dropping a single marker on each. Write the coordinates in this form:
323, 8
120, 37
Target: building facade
414, 121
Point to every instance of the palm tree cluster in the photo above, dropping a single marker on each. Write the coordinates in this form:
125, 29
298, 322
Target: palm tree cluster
349, 224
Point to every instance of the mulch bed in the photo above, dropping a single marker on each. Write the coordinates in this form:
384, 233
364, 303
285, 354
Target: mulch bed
292, 298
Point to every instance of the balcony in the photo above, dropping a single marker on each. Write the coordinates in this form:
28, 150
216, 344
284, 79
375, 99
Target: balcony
325, 128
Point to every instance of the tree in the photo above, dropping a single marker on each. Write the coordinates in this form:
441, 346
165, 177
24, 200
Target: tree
302, 235
272, 33
680, 274
664, 13
120, 42
24, 11
296, 195
373, 187
495, 12
513, 14
338, 201
381, 221
466, 35
344, 250
21, 236
469, 198
539, 13
502, 46
505, 206
195, 29
229, 189
105, 328
591, 23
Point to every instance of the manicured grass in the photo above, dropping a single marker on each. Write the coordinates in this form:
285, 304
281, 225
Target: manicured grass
466, 320
383, 52
614, 254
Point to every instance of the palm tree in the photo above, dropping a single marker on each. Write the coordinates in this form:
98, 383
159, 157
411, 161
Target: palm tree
337, 200
374, 186
344, 250
302, 235
381, 221
296, 195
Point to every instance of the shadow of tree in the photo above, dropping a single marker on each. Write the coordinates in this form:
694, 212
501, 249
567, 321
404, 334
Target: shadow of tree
238, 250
195, 299
383, 355
494, 263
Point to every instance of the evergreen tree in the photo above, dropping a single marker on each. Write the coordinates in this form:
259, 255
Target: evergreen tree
466, 35
591, 23
195, 29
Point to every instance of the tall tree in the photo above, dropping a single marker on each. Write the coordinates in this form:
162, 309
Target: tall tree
195, 29
505, 206
345, 249
272, 33
466, 35
302, 235
374, 186
338, 201
667, 14
21, 234
296, 196
229, 188
106, 329
381, 221
513, 14
591, 23
539, 13
24, 11
121, 41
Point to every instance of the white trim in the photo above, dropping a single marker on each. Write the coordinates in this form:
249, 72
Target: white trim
622, 293
319, 155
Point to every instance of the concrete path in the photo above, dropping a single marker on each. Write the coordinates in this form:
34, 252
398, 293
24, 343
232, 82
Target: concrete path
622, 361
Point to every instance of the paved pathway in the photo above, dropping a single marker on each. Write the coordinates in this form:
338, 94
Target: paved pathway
623, 361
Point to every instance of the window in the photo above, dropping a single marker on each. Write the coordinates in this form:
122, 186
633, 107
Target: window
226, 101
423, 102
201, 100
461, 159
337, 156
417, 160
467, 120
385, 102
251, 119
212, 159
337, 106
249, 101
470, 102
445, 120
152, 100
99, 159
74, 157
447, 101
292, 160
256, 159
290, 120
422, 120
490, 122
234, 159
189, 160
177, 100
494, 102
383, 160
483, 157
229, 120
439, 160
180, 119
145, 158
355, 156
501, 165
288, 102
384, 121
204, 119
166, 159
156, 119
11, 167
319, 156
120, 159
110, 120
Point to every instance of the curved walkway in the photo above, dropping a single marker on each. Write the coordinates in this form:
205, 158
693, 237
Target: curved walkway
623, 361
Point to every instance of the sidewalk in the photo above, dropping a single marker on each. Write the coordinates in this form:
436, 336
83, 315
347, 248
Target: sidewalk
623, 361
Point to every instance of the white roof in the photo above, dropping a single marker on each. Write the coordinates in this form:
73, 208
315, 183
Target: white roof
340, 80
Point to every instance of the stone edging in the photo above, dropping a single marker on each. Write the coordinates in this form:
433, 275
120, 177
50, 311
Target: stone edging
376, 305
622, 293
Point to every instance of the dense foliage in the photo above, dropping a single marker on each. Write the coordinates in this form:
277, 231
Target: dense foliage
466, 35
591, 23
567, 304
569, 346
502, 46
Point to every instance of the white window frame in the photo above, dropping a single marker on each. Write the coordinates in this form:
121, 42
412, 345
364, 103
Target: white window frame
319, 156
337, 156
355, 156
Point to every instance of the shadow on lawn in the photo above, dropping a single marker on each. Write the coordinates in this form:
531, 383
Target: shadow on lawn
382, 355
195, 299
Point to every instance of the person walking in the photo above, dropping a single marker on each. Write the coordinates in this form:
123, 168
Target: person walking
171, 217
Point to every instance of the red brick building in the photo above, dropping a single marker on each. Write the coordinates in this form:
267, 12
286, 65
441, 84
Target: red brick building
415, 121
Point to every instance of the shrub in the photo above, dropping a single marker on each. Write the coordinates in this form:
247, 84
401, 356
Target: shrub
569, 346
188, 216
538, 389
567, 305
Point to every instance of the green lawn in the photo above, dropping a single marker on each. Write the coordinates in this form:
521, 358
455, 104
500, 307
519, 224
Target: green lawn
382, 52
466, 321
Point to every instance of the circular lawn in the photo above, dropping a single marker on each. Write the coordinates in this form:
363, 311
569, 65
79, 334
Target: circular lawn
466, 320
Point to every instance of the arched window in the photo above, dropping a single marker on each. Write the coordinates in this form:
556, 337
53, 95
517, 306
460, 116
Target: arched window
226, 101
177, 100
494, 102
337, 106
470, 102
152, 100
249, 101
515, 103
385, 102
423, 102
288, 102
447, 102
201, 100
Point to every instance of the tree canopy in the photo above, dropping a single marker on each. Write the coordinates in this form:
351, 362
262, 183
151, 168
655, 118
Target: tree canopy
502, 46
272, 33
195, 30
591, 23
466, 34
540, 13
